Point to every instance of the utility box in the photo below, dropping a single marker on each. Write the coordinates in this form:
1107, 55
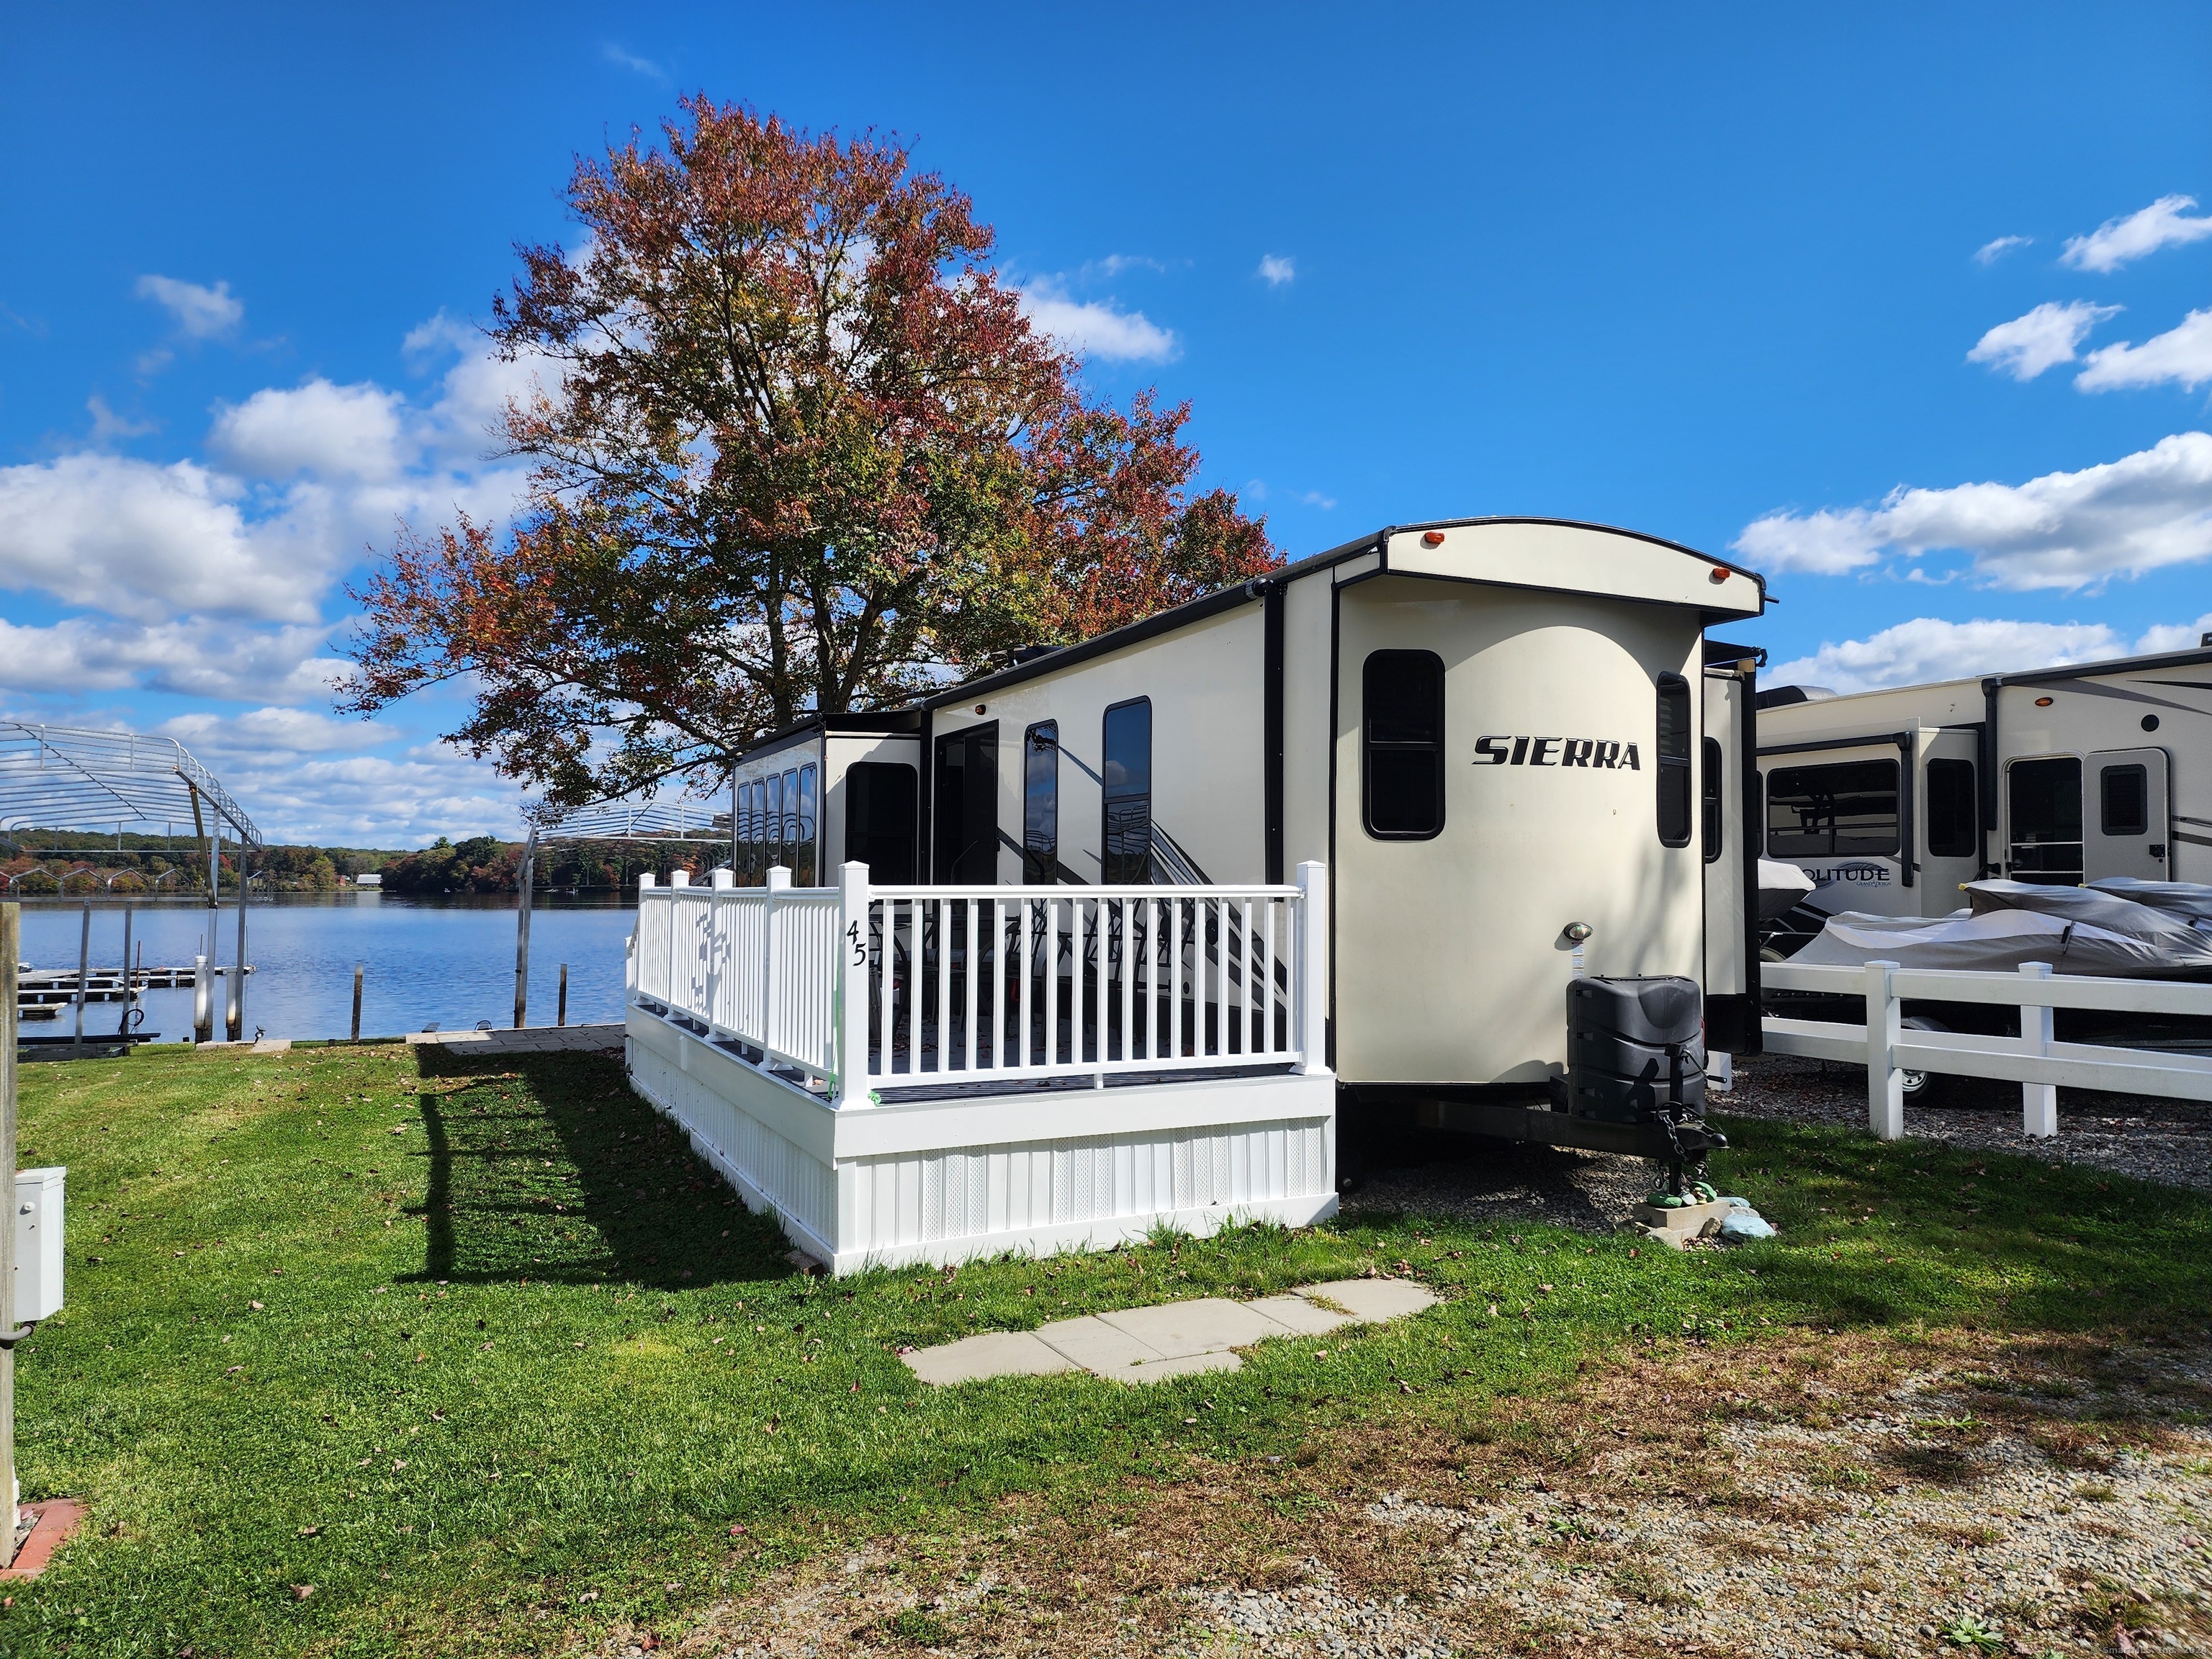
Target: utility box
38, 1244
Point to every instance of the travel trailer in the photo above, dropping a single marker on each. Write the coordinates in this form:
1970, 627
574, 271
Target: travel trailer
1508, 740
1891, 800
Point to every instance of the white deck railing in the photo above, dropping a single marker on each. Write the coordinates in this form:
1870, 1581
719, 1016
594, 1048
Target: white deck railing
1889, 1049
858, 988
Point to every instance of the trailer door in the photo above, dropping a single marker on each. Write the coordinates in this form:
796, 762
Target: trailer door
2125, 828
1721, 821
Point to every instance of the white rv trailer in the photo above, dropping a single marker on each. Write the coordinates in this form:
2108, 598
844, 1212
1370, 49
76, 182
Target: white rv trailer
1507, 738
1891, 801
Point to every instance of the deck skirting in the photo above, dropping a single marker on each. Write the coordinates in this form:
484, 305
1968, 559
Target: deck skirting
1028, 1170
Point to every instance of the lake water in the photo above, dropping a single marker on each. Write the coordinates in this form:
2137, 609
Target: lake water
450, 961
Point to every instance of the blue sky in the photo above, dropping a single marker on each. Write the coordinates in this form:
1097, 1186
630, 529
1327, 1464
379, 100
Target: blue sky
1735, 275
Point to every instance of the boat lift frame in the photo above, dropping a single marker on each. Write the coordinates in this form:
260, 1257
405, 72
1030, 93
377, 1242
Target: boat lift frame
61, 777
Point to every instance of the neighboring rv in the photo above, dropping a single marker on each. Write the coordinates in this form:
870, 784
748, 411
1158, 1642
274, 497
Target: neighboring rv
1891, 800
1507, 738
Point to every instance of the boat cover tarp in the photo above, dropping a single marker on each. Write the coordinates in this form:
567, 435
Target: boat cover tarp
2117, 928
1781, 887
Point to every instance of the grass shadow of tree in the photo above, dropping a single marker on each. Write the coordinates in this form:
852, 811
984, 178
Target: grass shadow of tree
548, 1167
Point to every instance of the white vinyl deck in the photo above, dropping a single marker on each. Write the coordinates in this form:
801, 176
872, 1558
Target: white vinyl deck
935, 1074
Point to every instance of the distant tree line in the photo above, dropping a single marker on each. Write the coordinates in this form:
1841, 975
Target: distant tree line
484, 864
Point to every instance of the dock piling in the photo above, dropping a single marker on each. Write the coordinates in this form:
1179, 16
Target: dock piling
562, 1016
357, 969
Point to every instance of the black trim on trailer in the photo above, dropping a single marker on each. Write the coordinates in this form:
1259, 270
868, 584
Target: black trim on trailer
1271, 729
1755, 844
1335, 681
925, 798
1988, 755
1907, 850
2115, 666
1719, 653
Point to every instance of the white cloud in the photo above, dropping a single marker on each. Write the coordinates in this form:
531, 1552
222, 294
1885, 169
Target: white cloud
1928, 648
1991, 253
1095, 327
1115, 264
201, 313
273, 733
2183, 355
189, 656
2117, 241
2044, 339
108, 425
335, 431
139, 539
2064, 529
1276, 268
629, 60
2175, 637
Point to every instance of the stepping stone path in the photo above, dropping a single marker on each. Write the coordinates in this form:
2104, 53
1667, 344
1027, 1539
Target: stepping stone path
1173, 1339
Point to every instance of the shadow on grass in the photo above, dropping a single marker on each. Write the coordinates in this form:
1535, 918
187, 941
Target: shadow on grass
547, 1167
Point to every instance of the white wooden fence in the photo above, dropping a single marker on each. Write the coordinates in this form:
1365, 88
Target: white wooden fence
1889, 1049
857, 987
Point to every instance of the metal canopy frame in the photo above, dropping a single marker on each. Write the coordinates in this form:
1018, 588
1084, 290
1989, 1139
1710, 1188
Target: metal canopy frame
62, 777
67, 777
687, 819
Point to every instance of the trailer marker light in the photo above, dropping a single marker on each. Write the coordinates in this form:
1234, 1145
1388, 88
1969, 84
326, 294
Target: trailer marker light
1720, 573
2043, 703
1432, 538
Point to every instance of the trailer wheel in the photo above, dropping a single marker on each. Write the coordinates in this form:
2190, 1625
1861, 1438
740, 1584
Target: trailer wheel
1923, 1088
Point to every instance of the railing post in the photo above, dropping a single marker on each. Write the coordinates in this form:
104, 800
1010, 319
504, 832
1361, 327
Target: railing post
676, 878
2039, 1102
778, 881
1885, 1082
1313, 968
718, 880
852, 986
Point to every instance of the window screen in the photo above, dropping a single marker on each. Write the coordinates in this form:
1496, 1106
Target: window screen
1714, 795
1403, 757
1041, 804
1954, 817
1847, 808
880, 815
2125, 800
1129, 792
1673, 768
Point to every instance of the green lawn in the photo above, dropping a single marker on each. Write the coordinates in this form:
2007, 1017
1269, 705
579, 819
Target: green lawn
483, 1355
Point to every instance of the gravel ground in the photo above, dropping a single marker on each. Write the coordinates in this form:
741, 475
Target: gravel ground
2151, 1139
1447, 1176
1802, 1495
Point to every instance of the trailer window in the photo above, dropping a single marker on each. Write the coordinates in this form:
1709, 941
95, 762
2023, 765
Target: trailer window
2125, 804
1847, 809
1127, 831
1041, 804
879, 820
1713, 781
1403, 758
771, 824
1954, 818
2043, 802
1674, 769
802, 861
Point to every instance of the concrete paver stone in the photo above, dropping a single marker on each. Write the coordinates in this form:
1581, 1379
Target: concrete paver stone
1096, 1345
994, 1353
1297, 1315
1206, 1324
1372, 1300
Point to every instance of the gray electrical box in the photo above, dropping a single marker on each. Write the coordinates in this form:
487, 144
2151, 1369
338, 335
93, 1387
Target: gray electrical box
38, 1244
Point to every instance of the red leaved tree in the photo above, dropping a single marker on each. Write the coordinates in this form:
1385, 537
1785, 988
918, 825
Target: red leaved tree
795, 449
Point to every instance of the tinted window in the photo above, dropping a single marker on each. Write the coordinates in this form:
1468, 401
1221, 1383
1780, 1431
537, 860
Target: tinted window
1845, 809
1674, 769
802, 863
1041, 804
2043, 799
1402, 753
1714, 796
879, 820
2126, 800
771, 822
1954, 819
1128, 793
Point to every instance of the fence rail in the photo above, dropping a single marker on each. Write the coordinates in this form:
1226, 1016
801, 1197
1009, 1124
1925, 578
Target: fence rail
858, 987
2040, 1065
